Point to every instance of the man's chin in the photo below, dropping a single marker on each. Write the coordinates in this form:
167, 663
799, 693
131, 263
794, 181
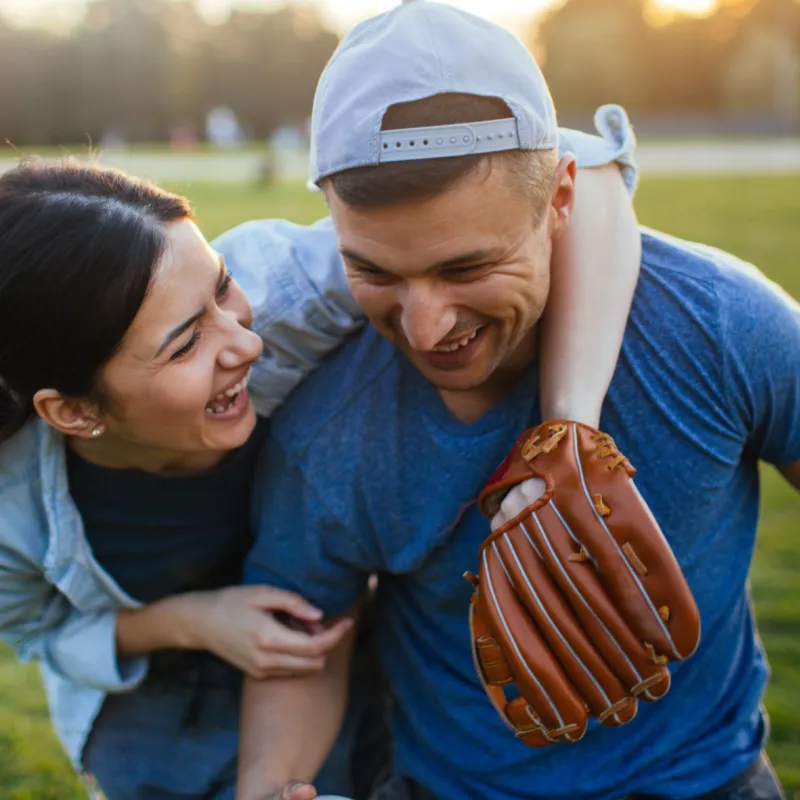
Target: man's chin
460, 380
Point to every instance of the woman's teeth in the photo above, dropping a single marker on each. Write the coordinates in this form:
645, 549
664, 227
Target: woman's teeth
451, 347
224, 400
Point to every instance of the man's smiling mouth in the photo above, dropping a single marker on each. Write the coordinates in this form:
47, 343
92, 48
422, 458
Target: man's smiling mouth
457, 344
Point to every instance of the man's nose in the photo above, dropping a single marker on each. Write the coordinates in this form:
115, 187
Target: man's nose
427, 317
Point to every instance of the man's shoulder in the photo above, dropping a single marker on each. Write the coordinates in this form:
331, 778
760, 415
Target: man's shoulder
701, 265
349, 392
707, 339
699, 287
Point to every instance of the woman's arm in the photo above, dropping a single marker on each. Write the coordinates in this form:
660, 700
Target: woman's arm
302, 307
40, 624
595, 268
238, 624
594, 273
108, 648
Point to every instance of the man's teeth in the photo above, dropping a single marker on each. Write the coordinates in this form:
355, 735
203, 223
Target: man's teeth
451, 347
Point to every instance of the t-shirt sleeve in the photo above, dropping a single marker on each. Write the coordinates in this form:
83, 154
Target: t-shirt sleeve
300, 544
615, 144
760, 326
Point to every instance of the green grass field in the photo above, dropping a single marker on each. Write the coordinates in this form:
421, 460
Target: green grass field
756, 218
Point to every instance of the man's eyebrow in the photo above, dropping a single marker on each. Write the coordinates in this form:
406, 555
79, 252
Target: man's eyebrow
351, 255
186, 324
465, 259
468, 259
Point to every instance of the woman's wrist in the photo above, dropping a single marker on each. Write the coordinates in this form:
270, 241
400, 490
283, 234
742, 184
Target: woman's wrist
179, 614
164, 624
584, 408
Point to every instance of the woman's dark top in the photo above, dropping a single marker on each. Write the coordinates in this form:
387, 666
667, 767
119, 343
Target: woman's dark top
158, 536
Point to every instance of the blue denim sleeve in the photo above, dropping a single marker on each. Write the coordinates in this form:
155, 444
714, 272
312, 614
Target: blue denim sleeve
38, 622
761, 342
616, 143
300, 544
302, 307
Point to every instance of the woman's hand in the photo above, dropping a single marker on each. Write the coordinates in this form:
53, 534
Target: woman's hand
296, 790
263, 631
239, 625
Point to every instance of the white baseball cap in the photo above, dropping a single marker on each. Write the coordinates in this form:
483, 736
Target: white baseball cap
415, 51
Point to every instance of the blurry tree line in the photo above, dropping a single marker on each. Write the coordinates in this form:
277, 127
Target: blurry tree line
744, 60
147, 68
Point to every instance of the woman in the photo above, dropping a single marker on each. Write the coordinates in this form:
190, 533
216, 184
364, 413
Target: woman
128, 439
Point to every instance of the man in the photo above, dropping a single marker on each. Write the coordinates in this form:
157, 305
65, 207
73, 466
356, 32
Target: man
375, 464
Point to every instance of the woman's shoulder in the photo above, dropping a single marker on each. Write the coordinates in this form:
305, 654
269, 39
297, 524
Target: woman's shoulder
20, 457
23, 513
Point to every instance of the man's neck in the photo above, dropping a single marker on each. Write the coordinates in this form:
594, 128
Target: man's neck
470, 405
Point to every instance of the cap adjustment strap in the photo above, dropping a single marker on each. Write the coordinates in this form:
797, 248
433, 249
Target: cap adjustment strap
441, 141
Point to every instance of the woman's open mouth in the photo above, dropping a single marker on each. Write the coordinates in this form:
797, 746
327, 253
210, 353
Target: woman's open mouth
230, 402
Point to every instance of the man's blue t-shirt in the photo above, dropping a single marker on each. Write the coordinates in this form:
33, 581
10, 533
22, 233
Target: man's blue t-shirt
366, 471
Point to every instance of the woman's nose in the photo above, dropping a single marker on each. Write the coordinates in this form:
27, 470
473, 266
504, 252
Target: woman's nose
242, 345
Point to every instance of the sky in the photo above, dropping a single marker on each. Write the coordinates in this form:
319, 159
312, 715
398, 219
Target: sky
341, 13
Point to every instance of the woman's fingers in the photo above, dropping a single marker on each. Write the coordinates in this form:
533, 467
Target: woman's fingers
277, 637
296, 790
281, 665
268, 598
299, 791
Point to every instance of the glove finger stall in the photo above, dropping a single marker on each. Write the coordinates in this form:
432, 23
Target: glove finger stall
537, 674
580, 585
597, 685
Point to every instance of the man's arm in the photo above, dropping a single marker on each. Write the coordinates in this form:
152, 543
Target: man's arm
792, 473
288, 726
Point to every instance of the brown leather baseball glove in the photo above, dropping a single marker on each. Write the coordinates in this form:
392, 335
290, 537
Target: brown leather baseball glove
579, 601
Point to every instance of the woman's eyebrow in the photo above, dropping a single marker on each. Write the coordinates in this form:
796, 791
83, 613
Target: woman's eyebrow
179, 329
184, 326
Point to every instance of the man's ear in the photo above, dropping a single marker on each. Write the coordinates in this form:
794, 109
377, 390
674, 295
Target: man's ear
70, 417
563, 200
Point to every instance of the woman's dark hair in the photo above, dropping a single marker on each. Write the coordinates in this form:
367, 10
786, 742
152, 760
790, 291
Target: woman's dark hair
79, 246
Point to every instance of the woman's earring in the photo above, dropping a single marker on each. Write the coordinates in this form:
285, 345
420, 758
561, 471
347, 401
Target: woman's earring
97, 430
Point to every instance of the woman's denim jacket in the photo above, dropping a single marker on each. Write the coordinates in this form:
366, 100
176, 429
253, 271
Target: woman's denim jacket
57, 605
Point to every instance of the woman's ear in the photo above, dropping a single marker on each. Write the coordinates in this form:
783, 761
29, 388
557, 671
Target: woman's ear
70, 417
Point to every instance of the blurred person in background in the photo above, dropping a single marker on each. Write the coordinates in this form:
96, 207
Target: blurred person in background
130, 426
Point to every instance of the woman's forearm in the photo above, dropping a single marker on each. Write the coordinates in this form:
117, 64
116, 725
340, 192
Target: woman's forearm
595, 270
157, 626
